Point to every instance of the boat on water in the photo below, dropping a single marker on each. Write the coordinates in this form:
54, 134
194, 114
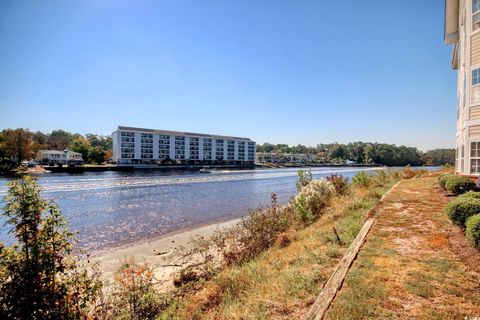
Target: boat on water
205, 170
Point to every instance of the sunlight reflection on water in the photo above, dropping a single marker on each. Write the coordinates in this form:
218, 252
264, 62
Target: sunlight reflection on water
109, 209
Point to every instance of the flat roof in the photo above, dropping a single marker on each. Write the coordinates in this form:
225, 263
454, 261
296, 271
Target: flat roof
179, 133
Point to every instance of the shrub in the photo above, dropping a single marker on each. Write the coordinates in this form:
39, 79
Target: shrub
460, 209
256, 233
362, 179
381, 178
459, 185
473, 230
408, 172
134, 296
312, 199
304, 178
39, 277
339, 182
443, 178
469, 195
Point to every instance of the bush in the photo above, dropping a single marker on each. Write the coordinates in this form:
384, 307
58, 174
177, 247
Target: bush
256, 233
459, 185
460, 209
381, 178
443, 178
40, 278
134, 296
339, 182
304, 178
312, 199
362, 179
408, 172
473, 230
469, 195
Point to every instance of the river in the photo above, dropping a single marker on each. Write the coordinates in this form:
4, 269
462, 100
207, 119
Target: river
109, 209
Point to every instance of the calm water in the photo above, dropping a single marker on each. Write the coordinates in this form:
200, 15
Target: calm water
109, 209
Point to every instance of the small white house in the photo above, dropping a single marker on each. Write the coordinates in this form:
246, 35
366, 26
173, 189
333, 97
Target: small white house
58, 157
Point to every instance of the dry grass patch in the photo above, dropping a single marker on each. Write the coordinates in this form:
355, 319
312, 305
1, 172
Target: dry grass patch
407, 268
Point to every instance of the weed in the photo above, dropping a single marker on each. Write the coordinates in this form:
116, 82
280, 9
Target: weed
420, 284
362, 179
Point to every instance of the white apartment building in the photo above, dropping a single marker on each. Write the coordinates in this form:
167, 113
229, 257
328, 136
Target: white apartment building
462, 30
138, 146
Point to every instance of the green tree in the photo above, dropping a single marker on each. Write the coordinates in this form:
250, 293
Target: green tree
17, 145
81, 145
40, 278
439, 157
96, 155
59, 139
337, 152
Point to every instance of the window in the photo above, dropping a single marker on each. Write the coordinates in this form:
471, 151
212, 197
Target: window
475, 76
475, 14
475, 157
475, 6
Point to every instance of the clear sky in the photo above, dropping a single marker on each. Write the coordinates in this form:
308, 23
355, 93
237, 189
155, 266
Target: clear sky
278, 71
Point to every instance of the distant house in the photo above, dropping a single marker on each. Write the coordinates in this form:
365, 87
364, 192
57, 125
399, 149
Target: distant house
285, 158
54, 157
462, 30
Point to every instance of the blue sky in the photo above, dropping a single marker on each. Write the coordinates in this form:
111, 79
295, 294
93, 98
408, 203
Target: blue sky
295, 72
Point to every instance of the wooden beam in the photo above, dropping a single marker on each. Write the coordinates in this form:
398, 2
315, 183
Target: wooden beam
329, 291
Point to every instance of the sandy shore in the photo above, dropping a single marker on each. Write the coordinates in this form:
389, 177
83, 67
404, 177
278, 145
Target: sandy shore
159, 253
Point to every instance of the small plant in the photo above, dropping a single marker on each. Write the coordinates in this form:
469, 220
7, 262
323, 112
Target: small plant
443, 178
408, 173
473, 230
339, 182
304, 178
460, 209
381, 178
134, 294
459, 185
362, 179
312, 199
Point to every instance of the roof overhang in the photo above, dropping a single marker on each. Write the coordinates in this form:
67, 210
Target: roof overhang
451, 21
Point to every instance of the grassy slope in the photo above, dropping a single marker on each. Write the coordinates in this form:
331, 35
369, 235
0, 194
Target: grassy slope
407, 269
283, 282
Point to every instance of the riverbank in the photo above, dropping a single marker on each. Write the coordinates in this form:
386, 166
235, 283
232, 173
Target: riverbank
161, 253
281, 282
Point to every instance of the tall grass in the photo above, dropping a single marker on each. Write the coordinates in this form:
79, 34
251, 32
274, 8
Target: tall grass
273, 258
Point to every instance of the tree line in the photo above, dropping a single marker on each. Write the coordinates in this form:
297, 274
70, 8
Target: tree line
17, 145
20, 144
366, 152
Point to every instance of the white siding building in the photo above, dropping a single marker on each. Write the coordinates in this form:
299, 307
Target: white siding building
138, 146
58, 157
462, 30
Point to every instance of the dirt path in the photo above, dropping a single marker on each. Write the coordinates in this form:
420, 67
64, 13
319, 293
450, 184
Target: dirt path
414, 265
